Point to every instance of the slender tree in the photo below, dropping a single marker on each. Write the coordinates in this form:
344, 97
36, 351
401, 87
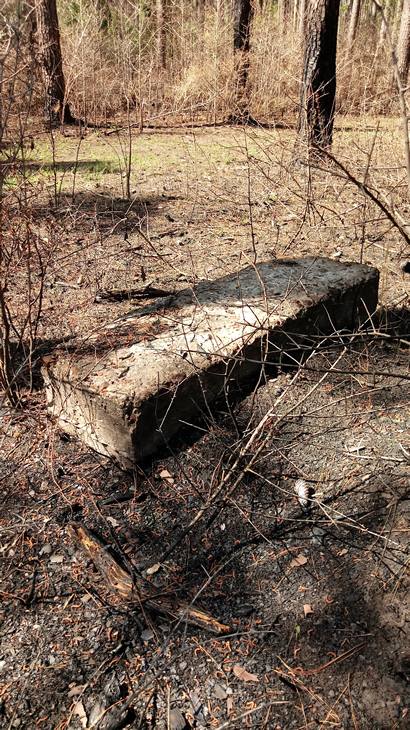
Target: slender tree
319, 73
200, 15
49, 58
403, 43
161, 34
396, 18
242, 16
284, 14
302, 15
353, 23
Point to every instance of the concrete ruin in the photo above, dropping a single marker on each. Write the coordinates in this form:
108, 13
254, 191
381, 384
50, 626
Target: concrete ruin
129, 388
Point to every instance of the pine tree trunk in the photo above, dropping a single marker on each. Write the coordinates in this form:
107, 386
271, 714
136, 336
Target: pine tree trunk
319, 75
403, 43
48, 54
243, 13
161, 36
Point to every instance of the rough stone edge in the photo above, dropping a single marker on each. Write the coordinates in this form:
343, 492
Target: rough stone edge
126, 438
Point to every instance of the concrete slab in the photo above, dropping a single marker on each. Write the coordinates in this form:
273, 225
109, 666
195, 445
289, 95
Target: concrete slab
129, 387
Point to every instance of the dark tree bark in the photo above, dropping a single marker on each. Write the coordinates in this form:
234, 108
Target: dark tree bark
161, 35
319, 74
243, 14
50, 61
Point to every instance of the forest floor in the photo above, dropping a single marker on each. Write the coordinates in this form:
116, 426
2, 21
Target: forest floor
316, 600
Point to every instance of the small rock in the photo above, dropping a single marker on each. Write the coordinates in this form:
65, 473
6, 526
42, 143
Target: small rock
56, 559
176, 720
164, 474
196, 702
76, 690
153, 569
46, 549
318, 534
113, 521
245, 610
147, 634
96, 714
220, 692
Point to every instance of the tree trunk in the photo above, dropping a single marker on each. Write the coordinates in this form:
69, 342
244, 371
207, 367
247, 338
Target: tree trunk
382, 34
284, 14
49, 58
200, 10
396, 17
295, 14
354, 21
302, 17
319, 74
161, 34
243, 14
403, 43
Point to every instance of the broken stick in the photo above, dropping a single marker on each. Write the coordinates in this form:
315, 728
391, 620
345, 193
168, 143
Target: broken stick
120, 581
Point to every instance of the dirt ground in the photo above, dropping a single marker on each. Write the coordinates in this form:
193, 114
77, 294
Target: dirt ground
315, 597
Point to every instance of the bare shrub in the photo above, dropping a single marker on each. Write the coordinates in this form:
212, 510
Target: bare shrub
24, 250
112, 57
24, 257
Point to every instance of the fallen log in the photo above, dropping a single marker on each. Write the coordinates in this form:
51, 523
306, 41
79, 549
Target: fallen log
119, 580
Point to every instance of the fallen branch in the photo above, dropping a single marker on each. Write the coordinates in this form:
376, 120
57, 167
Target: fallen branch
120, 295
120, 581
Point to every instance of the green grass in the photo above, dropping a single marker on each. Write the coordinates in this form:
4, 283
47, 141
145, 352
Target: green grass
98, 160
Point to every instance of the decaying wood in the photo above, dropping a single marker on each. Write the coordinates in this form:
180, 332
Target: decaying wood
120, 295
119, 581
107, 563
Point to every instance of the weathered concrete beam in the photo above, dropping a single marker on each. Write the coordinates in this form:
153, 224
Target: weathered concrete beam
126, 390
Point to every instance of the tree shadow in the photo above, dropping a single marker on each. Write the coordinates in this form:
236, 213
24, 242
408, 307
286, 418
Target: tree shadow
91, 166
88, 211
